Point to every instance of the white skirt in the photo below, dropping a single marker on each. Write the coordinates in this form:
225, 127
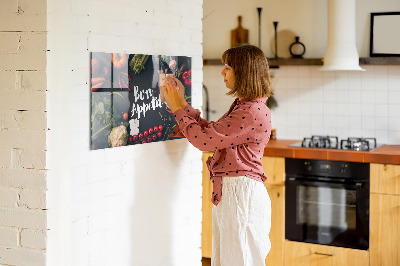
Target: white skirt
241, 223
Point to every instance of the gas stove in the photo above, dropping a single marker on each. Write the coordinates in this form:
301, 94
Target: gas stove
332, 142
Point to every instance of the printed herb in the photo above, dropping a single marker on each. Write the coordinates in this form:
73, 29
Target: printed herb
104, 118
137, 63
169, 125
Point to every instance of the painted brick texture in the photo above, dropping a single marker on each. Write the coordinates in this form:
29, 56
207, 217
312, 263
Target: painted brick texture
136, 205
23, 126
109, 207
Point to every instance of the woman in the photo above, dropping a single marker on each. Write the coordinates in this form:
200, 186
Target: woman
242, 208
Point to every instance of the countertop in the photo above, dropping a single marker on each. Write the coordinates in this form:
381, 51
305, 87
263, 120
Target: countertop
388, 154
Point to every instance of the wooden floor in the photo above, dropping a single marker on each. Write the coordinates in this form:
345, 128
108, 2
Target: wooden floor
206, 261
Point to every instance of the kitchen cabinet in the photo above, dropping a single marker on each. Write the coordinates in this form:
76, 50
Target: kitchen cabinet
305, 254
274, 168
385, 215
206, 225
384, 221
277, 233
385, 178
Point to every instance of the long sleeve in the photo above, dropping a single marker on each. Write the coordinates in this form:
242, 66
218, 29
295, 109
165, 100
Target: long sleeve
193, 113
231, 130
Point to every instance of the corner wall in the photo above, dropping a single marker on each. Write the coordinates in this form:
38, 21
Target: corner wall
135, 205
23, 133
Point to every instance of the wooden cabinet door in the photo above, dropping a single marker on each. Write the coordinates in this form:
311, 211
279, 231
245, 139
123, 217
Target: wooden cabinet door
304, 254
206, 226
277, 233
274, 168
384, 237
385, 178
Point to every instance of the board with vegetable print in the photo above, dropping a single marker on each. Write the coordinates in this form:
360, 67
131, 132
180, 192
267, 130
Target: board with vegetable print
127, 105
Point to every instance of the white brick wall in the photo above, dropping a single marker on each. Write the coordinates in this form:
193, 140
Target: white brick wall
108, 207
136, 205
23, 132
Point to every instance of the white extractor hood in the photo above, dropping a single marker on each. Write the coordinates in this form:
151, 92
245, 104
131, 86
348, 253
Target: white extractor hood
341, 51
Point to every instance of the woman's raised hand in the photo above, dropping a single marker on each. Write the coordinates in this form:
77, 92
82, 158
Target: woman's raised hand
174, 93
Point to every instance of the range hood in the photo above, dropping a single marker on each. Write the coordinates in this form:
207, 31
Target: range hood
341, 51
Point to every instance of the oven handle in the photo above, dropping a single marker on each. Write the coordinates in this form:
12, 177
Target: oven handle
357, 185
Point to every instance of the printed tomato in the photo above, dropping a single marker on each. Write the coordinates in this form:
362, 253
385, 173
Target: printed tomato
119, 60
125, 116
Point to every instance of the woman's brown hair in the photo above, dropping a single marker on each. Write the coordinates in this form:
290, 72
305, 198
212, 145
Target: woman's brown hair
250, 66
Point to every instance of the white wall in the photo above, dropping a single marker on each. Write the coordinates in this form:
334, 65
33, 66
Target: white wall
135, 205
311, 102
23, 133
306, 19
343, 104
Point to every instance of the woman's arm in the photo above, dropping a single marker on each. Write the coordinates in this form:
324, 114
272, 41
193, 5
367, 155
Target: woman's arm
174, 93
239, 127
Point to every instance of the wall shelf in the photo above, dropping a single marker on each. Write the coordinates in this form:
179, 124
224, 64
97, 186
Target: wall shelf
380, 61
274, 63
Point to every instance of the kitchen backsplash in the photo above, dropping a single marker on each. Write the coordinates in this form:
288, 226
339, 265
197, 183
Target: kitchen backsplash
314, 102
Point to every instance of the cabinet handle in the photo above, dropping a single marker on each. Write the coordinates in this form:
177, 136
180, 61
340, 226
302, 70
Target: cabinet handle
324, 254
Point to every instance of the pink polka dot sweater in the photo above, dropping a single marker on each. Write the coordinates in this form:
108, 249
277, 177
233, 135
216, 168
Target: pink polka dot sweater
238, 139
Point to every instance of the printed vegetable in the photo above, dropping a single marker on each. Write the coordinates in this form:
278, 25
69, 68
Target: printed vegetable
147, 136
137, 63
97, 83
96, 65
119, 60
172, 63
104, 116
118, 136
187, 77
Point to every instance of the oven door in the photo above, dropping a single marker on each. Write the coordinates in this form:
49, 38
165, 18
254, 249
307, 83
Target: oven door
327, 213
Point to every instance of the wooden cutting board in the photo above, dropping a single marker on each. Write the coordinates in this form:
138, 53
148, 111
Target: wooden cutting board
239, 35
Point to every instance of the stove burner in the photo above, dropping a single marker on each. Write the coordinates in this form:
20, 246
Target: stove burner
332, 142
358, 144
328, 142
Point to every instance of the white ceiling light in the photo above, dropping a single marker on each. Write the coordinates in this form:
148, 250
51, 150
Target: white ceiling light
341, 51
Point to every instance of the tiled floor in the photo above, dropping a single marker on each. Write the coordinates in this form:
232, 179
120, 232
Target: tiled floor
206, 261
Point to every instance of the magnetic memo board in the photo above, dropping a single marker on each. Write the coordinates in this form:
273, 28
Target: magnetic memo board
126, 105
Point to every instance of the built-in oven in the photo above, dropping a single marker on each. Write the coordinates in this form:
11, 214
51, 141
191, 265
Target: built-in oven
327, 202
